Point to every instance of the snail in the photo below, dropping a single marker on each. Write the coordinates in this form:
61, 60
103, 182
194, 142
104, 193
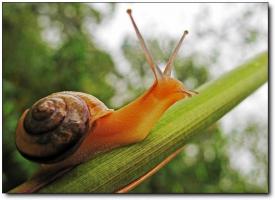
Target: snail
67, 128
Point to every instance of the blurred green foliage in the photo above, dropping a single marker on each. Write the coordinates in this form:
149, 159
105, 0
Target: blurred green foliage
33, 68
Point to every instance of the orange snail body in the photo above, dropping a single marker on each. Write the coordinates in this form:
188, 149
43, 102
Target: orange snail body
104, 129
67, 128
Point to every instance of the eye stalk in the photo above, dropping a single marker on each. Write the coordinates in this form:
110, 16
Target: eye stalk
149, 58
157, 72
169, 66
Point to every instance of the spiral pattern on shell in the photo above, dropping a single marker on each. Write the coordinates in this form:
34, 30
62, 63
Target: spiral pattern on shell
54, 126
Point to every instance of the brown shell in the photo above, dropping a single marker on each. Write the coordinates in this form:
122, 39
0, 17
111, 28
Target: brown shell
56, 125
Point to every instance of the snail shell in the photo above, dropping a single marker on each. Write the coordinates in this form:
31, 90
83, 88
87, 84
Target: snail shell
55, 126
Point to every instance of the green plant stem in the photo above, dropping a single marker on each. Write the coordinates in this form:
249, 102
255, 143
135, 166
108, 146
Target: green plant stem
112, 171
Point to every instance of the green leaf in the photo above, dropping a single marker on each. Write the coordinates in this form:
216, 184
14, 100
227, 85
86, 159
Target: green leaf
111, 171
